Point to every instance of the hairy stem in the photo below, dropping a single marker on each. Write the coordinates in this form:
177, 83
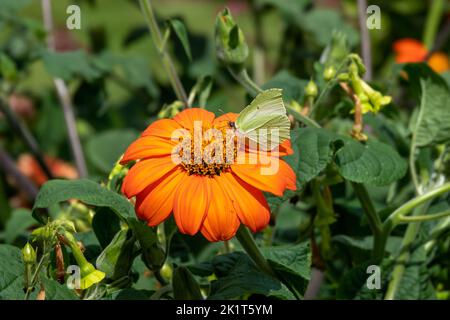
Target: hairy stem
248, 243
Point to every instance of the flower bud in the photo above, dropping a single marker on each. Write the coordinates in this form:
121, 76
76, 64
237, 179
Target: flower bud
231, 47
28, 254
311, 89
89, 275
171, 110
329, 73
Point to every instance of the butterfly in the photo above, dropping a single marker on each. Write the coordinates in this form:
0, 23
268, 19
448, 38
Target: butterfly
264, 120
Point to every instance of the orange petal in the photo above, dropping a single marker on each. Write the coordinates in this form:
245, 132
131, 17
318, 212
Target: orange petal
186, 118
191, 202
439, 62
144, 173
249, 203
264, 177
226, 117
221, 222
155, 203
409, 50
148, 147
286, 173
285, 149
162, 128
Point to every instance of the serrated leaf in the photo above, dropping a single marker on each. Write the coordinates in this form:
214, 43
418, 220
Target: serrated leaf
57, 291
11, 273
432, 125
374, 163
292, 263
104, 149
67, 65
185, 287
180, 30
19, 222
312, 153
117, 258
87, 191
415, 283
153, 254
105, 225
238, 276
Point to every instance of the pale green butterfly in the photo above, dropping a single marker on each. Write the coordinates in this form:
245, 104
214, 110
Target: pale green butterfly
264, 120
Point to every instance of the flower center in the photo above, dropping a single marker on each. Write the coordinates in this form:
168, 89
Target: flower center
208, 152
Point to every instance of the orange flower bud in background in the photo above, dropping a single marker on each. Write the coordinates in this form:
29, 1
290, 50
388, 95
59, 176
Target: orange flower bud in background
410, 50
30, 168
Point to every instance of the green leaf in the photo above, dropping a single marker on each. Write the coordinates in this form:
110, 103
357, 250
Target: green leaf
153, 254
87, 191
185, 287
319, 24
292, 263
11, 273
313, 151
292, 86
117, 258
57, 291
415, 283
292, 10
12, 280
432, 125
202, 90
132, 294
12, 6
361, 248
105, 225
238, 276
104, 149
353, 284
181, 33
21, 219
67, 65
374, 163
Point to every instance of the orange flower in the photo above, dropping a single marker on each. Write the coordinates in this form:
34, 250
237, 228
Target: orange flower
30, 168
410, 50
213, 197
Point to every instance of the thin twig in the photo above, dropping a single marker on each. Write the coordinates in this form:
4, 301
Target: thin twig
64, 96
366, 50
158, 40
26, 136
22, 182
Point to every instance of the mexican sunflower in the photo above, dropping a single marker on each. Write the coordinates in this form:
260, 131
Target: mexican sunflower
411, 50
211, 197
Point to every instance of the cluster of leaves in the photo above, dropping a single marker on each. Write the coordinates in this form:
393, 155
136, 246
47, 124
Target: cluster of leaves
339, 221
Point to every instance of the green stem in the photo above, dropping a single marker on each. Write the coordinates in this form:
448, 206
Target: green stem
432, 23
248, 243
244, 79
400, 266
373, 218
303, 119
426, 217
158, 40
406, 208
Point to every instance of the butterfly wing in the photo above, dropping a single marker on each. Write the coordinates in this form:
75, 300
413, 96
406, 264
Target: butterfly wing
265, 120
